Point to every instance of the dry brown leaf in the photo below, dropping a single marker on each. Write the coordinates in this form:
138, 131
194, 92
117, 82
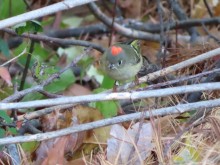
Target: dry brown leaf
88, 114
133, 8
5, 75
121, 147
150, 49
49, 122
217, 10
75, 140
53, 151
199, 10
55, 154
76, 90
79, 161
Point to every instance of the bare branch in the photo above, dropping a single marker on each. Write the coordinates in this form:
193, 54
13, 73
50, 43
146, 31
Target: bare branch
44, 111
182, 24
171, 82
64, 5
121, 29
113, 96
61, 42
135, 116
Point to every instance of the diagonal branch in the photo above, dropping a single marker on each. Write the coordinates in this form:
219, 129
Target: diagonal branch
105, 122
64, 5
134, 95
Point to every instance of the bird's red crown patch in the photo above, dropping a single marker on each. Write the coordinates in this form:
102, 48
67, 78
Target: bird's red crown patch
115, 50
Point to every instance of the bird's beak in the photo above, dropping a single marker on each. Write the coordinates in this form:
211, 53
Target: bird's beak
111, 66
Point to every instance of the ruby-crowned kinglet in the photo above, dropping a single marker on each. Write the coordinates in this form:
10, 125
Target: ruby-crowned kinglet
122, 61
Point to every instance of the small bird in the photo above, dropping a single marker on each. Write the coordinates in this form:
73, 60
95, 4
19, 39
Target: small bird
122, 61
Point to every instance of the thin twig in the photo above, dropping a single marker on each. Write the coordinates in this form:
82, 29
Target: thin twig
131, 33
100, 28
161, 54
182, 24
208, 8
61, 42
167, 83
210, 35
44, 111
113, 21
9, 61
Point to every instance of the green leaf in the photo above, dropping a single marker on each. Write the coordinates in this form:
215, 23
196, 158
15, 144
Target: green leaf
5, 116
2, 133
66, 79
30, 146
4, 47
107, 82
32, 96
42, 71
94, 72
8, 120
12, 130
48, 22
11, 8
20, 49
41, 53
5, 92
72, 22
29, 26
107, 108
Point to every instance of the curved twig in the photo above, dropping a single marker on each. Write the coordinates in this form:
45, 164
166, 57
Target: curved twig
131, 33
61, 42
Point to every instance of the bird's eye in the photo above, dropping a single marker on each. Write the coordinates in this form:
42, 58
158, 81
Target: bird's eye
119, 62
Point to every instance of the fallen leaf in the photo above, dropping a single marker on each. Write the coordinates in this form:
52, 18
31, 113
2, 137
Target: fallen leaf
53, 151
5, 75
55, 154
122, 148
88, 114
76, 90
